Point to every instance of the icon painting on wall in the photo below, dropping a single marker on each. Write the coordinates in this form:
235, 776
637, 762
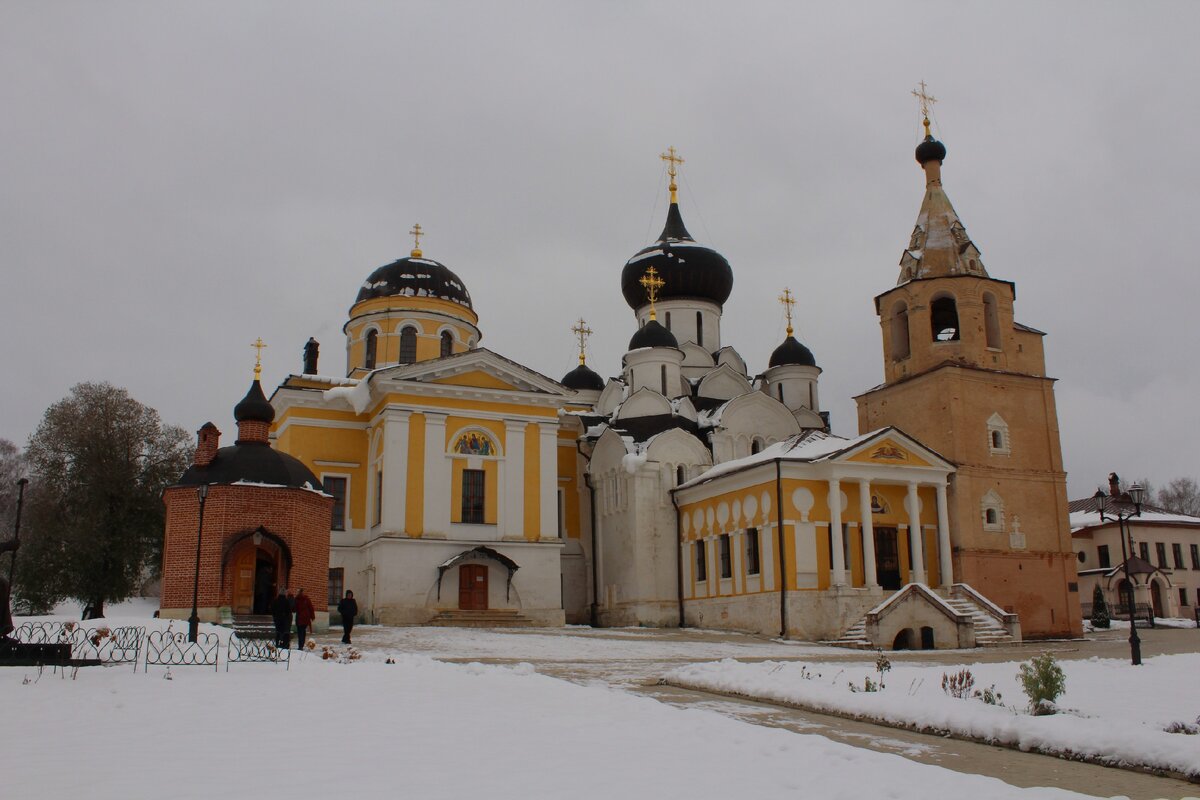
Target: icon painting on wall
474, 444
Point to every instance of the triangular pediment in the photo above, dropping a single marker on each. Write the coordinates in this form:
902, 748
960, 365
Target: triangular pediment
890, 446
477, 369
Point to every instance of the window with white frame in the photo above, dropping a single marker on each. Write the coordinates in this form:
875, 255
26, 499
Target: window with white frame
997, 433
336, 485
991, 509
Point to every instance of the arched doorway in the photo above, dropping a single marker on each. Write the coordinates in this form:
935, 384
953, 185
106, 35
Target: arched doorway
1156, 601
256, 563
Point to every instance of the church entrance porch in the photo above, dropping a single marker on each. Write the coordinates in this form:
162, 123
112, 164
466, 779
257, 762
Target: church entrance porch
473, 587
887, 558
257, 567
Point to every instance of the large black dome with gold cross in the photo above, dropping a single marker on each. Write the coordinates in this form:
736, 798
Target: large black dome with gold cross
415, 276
688, 269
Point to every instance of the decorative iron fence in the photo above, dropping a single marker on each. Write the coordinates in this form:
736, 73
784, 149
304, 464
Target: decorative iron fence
256, 650
172, 649
101, 644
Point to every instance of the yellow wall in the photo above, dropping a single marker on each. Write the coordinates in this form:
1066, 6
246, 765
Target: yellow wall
533, 462
570, 483
414, 502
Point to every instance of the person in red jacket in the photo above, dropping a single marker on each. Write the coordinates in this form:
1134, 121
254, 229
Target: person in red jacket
305, 614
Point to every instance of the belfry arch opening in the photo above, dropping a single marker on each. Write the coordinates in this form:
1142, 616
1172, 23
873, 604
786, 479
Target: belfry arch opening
447, 343
408, 345
991, 320
372, 347
943, 318
900, 344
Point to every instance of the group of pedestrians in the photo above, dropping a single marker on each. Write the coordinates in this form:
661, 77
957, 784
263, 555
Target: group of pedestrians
299, 607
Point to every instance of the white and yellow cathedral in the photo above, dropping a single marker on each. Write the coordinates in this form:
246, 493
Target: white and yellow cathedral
470, 489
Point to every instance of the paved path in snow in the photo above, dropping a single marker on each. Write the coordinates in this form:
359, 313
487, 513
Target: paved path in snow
634, 659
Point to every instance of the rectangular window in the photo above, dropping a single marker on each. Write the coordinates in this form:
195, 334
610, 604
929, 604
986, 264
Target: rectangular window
701, 562
752, 545
378, 497
1182, 596
472, 496
337, 585
337, 488
1160, 550
1177, 555
1102, 550
726, 560
1196, 556
1144, 551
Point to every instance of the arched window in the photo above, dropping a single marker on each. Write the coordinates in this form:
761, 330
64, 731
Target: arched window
663, 377
408, 345
447, 343
779, 391
699, 329
756, 446
997, 440
372, 345
943, 317
667, 317
991, 320
680, 475
900, 345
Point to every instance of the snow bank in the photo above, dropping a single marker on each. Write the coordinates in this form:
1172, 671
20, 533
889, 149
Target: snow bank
1113, 712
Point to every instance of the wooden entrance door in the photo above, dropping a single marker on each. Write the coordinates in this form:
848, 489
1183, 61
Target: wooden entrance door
1156, 602
473, 587
243, 580
887, 558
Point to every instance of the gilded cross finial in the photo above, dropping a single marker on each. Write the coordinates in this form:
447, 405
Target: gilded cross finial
581, 330
788, 301
927, 101
258, 347
416, 233
673, 160
652, 283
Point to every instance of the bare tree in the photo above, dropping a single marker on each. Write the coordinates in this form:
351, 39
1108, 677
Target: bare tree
12, 469
99, 461
1181, 495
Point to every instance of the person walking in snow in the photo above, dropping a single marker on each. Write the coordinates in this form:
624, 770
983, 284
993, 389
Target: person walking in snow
281, 612
305, 614
348, 608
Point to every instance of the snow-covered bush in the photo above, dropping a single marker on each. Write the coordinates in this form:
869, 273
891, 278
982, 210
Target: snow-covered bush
1043, 681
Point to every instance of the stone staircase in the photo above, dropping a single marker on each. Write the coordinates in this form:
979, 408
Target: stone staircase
254, 626
993, 627
490, 618
988, 630
855, 636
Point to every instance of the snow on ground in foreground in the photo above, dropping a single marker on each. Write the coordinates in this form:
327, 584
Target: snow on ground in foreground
1111, 709
417, 728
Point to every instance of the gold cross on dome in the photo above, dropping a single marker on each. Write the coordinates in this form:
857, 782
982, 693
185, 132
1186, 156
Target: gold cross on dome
258, 346
788, 301
581, 330
927, 101
673, 160
416, 233
652, 283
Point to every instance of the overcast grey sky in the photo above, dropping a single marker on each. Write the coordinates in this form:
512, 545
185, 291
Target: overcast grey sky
178, 179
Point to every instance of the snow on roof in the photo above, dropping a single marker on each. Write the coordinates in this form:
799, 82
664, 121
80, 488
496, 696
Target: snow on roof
1091, 519
358, 395
808, 447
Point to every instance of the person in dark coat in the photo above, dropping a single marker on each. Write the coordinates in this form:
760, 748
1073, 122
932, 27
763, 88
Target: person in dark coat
305, 614
348, 608
281, 611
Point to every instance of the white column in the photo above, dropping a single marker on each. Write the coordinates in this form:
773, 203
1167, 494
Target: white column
915, 535
395, 470
437, 475
513, 489
868, 533
548, 474
945, 557
838, 576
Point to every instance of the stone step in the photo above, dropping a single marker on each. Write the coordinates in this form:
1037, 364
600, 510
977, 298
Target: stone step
490, 618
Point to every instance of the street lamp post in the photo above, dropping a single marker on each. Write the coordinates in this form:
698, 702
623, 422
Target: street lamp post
194, 619
1121, 512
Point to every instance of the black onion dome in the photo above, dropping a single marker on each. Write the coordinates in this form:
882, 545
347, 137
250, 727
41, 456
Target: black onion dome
253, 462
792, 352
415, 277
652, 334
254, 406
688, 269
582, 379
930, 150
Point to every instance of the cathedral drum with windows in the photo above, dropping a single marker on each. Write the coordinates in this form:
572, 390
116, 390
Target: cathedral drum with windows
965, 378
442, 456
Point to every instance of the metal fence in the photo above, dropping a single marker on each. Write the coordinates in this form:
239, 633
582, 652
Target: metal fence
98, 645
172, 649
256, 650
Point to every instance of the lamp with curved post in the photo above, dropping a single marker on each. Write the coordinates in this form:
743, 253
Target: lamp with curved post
194, 619
1119, 510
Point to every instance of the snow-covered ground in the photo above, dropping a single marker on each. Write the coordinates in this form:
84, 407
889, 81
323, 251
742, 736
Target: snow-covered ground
1110, 710
415, 728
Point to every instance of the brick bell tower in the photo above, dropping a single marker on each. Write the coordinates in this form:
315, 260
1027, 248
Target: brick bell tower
966, 379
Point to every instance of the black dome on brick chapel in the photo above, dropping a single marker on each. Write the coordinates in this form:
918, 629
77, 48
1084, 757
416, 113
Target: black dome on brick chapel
688, 269
415, 276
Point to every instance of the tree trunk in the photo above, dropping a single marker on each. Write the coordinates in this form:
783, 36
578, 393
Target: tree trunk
95, 610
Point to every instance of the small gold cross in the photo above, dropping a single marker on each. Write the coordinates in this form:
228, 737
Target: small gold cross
416, 233
927, 101
673, 160
652, 283
788, 301
581, 330
258, 347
